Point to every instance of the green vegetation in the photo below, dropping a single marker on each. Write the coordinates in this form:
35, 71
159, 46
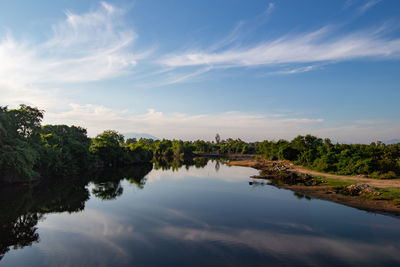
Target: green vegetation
19, 139
165, 148
110, 149
338, 182
389, 193
376, 159
29, 150
228, 146
63, 150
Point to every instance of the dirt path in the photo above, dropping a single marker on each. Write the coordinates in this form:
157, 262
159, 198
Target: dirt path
373, 182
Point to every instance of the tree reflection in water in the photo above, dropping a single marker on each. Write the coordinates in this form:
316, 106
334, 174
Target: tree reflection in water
107, 184
18, 233
177, 163
22, 206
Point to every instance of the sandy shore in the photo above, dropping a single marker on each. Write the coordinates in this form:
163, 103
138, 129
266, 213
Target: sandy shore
327, 192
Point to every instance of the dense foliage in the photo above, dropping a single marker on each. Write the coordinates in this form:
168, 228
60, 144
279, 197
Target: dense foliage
228, 146
375, 159
111, 150
19, 138
64, 150
165, 148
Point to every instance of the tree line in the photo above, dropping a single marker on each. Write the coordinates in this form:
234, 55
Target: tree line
29, 150
376, 160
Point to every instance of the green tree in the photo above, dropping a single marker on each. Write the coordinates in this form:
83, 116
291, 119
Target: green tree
65, 149
19, 132
107, 147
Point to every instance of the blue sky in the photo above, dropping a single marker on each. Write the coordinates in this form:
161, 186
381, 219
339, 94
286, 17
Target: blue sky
189, 69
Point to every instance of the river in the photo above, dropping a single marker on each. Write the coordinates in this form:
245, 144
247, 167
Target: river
198, 213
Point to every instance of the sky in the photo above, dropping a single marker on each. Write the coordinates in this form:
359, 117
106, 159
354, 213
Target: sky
179, 69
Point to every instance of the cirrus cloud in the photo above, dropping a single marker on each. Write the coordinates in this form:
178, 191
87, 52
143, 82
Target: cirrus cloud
316, 46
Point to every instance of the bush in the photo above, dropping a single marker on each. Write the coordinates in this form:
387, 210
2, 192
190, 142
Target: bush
388, 175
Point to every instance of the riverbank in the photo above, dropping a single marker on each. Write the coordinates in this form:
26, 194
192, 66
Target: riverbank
381, 196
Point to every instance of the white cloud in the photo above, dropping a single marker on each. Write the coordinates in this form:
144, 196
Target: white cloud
178, 78
243, 27
84, 47
317, 46
294, 71
368, 5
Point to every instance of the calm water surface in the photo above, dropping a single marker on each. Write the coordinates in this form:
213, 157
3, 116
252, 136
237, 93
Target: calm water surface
188, 216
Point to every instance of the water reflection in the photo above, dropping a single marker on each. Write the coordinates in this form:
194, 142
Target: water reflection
177, 163
217, 166
18, 233
190, 213
21, 207
107, 183
301, 196
305, 249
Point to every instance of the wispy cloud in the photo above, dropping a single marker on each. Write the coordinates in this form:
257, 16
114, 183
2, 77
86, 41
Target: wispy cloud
229, 39
84, 47
242, 28
294, 71
271, 7
348, 3
368, 5
317, 46
184, 77
326, 45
